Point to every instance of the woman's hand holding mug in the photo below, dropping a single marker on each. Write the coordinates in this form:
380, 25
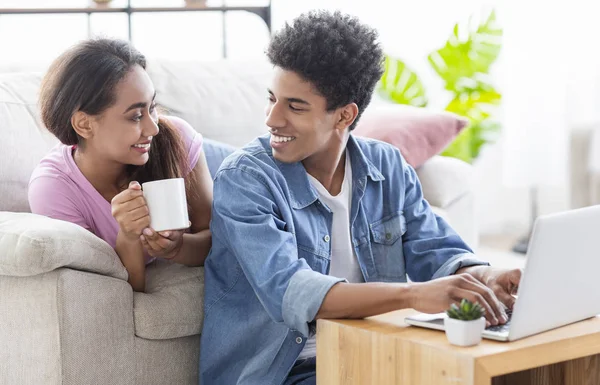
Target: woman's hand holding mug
130, 210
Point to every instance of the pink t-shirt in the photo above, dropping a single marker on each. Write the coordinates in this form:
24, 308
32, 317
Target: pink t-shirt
59, 190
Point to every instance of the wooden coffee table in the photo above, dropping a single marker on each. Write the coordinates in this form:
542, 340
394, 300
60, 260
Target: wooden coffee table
384, 350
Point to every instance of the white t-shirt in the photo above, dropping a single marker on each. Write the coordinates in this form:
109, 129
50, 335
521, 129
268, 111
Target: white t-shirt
344, 263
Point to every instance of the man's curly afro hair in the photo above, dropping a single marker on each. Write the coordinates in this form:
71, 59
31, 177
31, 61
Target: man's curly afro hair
337, 54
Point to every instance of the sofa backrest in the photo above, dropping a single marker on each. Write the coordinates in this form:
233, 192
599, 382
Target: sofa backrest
223, 100
23, 140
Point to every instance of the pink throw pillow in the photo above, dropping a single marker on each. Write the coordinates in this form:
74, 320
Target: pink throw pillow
418, 133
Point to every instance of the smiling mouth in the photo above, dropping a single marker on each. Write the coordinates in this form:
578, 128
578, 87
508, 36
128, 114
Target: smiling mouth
144, 146
282, 139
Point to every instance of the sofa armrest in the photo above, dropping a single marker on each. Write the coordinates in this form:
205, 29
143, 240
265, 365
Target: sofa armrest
33, 244
445, 180
66, 327
448, 187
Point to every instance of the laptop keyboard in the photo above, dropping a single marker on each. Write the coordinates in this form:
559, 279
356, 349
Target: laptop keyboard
501, 328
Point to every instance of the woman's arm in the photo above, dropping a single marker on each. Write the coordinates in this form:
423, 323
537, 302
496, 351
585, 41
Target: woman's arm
131, 253
131, 213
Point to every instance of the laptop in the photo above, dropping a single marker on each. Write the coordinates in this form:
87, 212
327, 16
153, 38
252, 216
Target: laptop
561, 280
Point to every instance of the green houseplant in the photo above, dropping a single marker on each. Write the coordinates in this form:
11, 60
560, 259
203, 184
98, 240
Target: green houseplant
464, 323
463, 64
465, 311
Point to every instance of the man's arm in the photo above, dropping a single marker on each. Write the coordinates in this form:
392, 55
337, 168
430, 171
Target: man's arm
359, 300
247, 218
432, 249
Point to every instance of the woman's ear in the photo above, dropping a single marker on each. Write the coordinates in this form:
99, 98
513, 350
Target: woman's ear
348, 115
82, 124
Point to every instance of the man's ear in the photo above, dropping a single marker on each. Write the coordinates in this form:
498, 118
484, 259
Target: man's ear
348, 115
82, 124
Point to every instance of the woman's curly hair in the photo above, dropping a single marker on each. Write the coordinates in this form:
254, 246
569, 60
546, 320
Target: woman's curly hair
337, 54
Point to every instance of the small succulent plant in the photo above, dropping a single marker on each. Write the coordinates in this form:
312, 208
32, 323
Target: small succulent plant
466, 311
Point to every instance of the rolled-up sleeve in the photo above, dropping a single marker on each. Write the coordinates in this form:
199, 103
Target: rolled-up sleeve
432, 249
303, 298
456, 263
253, 219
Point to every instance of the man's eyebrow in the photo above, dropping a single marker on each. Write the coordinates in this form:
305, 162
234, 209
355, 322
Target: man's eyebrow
139, 105
296, 100
292, 100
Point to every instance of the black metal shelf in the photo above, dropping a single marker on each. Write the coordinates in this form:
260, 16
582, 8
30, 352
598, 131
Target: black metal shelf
264, 12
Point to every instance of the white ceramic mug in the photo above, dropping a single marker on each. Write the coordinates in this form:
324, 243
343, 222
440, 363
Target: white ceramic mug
167, 203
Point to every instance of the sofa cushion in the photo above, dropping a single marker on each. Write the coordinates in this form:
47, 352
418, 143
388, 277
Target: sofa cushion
223, 100
173, 303
444, 180
33, 244
23, 142
418, 133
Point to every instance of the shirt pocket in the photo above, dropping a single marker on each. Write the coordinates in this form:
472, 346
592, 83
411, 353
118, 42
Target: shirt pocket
386, 247
316, 259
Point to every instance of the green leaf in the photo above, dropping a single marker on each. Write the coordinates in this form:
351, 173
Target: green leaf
475, 105
464, 59
466, 311
478, 106
463, 63
468, 144
401, 84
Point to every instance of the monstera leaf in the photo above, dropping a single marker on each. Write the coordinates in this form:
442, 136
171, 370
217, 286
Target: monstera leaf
463, 63
464, 59
477, 103
467, 145
401, 85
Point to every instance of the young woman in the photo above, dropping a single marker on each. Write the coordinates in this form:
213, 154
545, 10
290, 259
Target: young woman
98, 100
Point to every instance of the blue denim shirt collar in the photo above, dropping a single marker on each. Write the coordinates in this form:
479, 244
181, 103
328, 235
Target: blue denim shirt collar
304, 194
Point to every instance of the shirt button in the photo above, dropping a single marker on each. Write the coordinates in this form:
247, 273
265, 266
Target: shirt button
388, 236
326, 238
298, 340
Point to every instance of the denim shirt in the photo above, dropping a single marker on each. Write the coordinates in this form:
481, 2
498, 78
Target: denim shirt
266, 274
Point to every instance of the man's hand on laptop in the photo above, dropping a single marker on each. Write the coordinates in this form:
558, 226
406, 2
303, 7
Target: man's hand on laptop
504, 282
437, 295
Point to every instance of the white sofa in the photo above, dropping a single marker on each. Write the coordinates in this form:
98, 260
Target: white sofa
67, 314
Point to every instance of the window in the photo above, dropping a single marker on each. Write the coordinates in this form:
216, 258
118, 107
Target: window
33, 41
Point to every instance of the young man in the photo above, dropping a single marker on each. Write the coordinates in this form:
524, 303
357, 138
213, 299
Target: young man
310, 222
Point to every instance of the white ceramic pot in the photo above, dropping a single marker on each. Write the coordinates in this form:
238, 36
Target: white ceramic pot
464, 333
